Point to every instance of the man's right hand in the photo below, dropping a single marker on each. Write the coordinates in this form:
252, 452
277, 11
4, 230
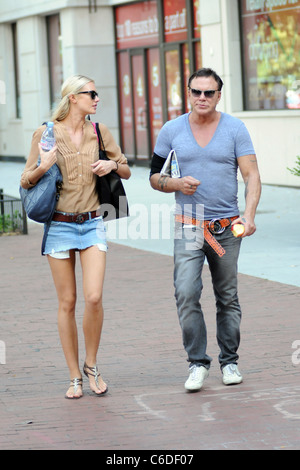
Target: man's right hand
188, 185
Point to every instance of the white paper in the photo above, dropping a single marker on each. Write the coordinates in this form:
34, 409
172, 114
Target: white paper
171, 167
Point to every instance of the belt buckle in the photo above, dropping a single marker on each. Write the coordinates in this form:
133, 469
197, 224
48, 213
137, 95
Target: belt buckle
79, 219
213, 230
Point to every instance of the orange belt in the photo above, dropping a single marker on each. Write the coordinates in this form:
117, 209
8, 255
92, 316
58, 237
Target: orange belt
210, 228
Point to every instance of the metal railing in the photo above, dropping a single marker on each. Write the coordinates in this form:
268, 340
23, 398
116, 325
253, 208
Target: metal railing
13, 217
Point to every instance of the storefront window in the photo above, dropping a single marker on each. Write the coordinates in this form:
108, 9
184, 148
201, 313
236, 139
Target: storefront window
198, 55
271, 53
155, 98
197, 35
173, 79
125, 104
153, 76
186, 75
139, 92
176, 60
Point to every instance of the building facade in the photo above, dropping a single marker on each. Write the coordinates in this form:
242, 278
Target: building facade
140, 55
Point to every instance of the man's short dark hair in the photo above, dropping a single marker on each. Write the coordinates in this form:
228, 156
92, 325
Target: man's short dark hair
206, 72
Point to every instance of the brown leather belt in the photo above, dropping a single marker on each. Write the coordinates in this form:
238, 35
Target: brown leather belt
77, 218
210, 228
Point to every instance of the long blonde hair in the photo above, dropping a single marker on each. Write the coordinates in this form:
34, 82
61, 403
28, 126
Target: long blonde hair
71, 85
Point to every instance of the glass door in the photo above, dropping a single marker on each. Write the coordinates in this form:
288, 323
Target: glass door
140, 102
154, 94
125, 105
140, 106
177, 65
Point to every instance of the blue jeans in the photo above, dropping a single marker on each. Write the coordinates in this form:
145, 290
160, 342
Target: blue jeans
188, 265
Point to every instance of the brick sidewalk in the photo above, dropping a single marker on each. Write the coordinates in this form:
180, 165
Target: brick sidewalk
143, 362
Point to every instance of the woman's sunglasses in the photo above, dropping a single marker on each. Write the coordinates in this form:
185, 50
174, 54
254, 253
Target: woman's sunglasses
93, 93
207, 93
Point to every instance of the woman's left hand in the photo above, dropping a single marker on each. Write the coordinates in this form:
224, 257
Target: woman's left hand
103, 167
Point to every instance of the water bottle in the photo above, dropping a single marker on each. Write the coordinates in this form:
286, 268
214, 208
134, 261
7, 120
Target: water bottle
48, 139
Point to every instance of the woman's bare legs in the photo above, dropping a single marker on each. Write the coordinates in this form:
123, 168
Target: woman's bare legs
63, 272
93, 270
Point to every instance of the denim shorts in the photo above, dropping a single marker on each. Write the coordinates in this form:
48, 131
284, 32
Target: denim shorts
65, 236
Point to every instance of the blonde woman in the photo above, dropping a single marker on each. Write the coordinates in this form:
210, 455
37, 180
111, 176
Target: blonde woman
76, 225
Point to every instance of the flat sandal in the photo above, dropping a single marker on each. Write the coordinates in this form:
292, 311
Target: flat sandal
75, 383
96, 374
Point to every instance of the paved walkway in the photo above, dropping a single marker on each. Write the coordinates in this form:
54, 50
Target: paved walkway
143, 362
141, 356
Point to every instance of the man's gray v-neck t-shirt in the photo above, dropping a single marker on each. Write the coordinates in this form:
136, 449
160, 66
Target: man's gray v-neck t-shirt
215, 165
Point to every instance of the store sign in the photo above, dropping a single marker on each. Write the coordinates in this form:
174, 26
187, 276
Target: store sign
175, 21
137, 25
271, 49
267, 5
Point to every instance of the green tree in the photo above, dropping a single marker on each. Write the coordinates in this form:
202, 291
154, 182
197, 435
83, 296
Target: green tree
296, 170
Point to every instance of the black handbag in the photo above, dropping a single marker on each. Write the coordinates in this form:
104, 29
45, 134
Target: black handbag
40, 201
110, 189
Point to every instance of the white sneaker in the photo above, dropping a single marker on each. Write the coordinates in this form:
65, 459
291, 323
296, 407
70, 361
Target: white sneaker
231, 375
197, 376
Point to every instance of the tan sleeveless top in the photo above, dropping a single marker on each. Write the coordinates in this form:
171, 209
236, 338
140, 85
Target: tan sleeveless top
78, 191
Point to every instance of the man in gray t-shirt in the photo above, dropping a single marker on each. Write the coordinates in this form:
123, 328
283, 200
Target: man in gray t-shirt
210, 147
